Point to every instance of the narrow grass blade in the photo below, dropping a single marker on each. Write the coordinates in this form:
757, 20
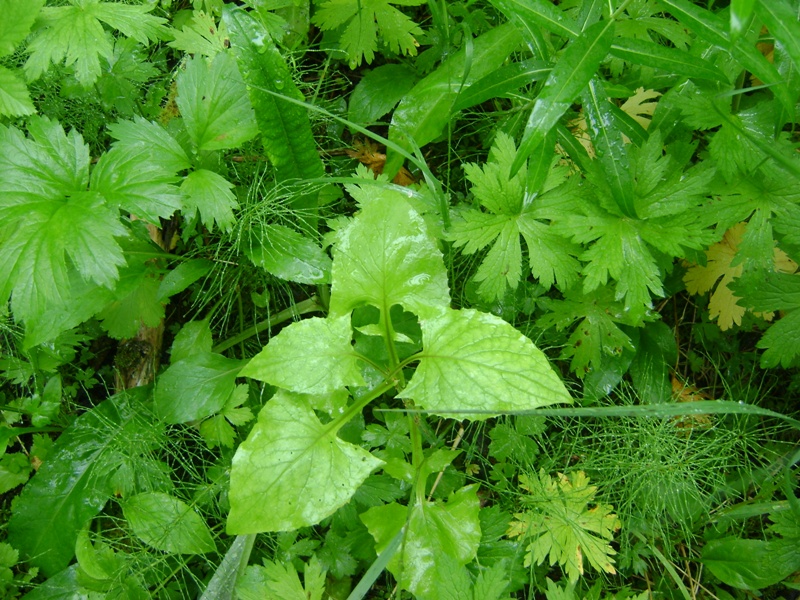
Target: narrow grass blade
573, 71
377, 567
649, 54
609, 146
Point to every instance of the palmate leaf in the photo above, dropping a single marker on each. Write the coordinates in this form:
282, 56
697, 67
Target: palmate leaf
551, 256
313, 356
364, 21
47, 215
563, 527
386, 256
130, 177
476, 361
597, 334
76, 35
292, 471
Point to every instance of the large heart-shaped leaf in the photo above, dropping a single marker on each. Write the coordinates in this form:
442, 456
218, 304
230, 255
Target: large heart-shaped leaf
313, 356
476, 361
386, 256
292, 471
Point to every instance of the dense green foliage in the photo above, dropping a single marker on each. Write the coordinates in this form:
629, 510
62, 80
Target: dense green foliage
445, 300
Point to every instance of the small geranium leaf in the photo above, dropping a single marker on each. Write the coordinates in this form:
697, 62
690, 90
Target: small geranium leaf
292, 471
313, 356
386, 256
476, 361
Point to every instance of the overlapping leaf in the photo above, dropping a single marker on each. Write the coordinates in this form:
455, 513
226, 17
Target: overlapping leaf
313, 356
476, 361
435, 532
47, 215
73, 484
75, 34
214, 103
386, 256
511, 214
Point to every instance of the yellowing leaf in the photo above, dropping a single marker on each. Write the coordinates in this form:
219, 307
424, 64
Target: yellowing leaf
562, 526
699, 279
640, 106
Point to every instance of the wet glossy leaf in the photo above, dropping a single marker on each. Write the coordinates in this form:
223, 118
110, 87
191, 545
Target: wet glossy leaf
285, 129
292, 471
288, 254
434, 531
312, 356
577, 65
214, 104
73, 484
195, 387
168, 524
386, 256
476, 361
423, 113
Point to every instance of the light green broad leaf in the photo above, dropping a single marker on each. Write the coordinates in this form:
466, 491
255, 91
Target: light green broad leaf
161, 146
288, 254
15, 101
195, 387
385, 256
476, 361
214, 103
435, 533
18, 16
167, 524
292, 471
210, 193
313, 356
132, 177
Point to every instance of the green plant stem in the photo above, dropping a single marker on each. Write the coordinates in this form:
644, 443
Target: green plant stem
388, 336
301, 308
358, 405
417, 457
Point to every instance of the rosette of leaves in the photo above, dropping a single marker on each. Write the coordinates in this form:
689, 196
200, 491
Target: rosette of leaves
294, 469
